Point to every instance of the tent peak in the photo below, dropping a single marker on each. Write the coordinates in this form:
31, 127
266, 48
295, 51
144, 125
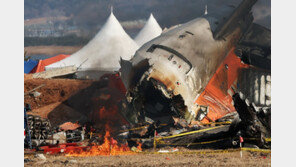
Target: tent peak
150, 30
112, 19
206, 10
151, 17
111, 9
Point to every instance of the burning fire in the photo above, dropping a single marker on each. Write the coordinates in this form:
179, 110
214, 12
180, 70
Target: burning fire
108, 115
109, 147
139, 147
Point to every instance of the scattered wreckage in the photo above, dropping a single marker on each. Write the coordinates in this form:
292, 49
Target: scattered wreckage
41, 133
250, 122
191, 74
185, 87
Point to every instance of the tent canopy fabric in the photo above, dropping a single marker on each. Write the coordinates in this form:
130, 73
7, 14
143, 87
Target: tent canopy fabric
42, 63
103, 52
149, 31
29, 65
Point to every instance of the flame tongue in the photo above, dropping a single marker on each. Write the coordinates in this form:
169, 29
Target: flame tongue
139, 147
109, 147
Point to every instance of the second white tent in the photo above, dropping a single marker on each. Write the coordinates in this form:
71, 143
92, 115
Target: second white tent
148, 32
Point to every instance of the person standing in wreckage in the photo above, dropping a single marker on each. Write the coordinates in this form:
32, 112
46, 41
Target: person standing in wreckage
191, 67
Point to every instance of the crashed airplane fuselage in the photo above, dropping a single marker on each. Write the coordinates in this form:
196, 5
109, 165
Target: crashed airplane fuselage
189, 71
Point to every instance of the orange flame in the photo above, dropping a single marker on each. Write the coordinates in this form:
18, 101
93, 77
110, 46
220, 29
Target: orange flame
139, 147
109, 147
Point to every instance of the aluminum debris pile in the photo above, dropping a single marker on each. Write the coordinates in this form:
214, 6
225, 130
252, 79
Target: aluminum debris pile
41, 132
253, 125
182, 86
38, 129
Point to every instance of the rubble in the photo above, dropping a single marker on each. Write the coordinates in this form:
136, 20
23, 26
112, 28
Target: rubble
254, 123
36, 94
39, 129
59, 137
26, 160
58, 72
167, 151
40, 156
187, 79
189, 71
224, 133
180, 89
74, 136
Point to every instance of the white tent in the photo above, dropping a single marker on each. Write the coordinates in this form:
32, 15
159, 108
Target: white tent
103, 52
148, 32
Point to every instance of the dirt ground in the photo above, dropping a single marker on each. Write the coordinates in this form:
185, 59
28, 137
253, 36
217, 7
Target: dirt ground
64, 100
217, 159
51, 50
54, 90
50, 103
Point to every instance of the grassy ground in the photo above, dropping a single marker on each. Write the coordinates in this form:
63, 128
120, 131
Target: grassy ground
217, 159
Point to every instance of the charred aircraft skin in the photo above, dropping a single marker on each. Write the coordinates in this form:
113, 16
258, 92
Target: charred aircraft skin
172, 75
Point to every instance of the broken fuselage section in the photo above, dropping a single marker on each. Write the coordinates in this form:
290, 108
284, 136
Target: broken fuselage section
187, 72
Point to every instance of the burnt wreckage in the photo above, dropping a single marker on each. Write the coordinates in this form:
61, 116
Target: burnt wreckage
191, 82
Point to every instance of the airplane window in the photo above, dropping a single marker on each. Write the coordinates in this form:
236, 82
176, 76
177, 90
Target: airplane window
170, 50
